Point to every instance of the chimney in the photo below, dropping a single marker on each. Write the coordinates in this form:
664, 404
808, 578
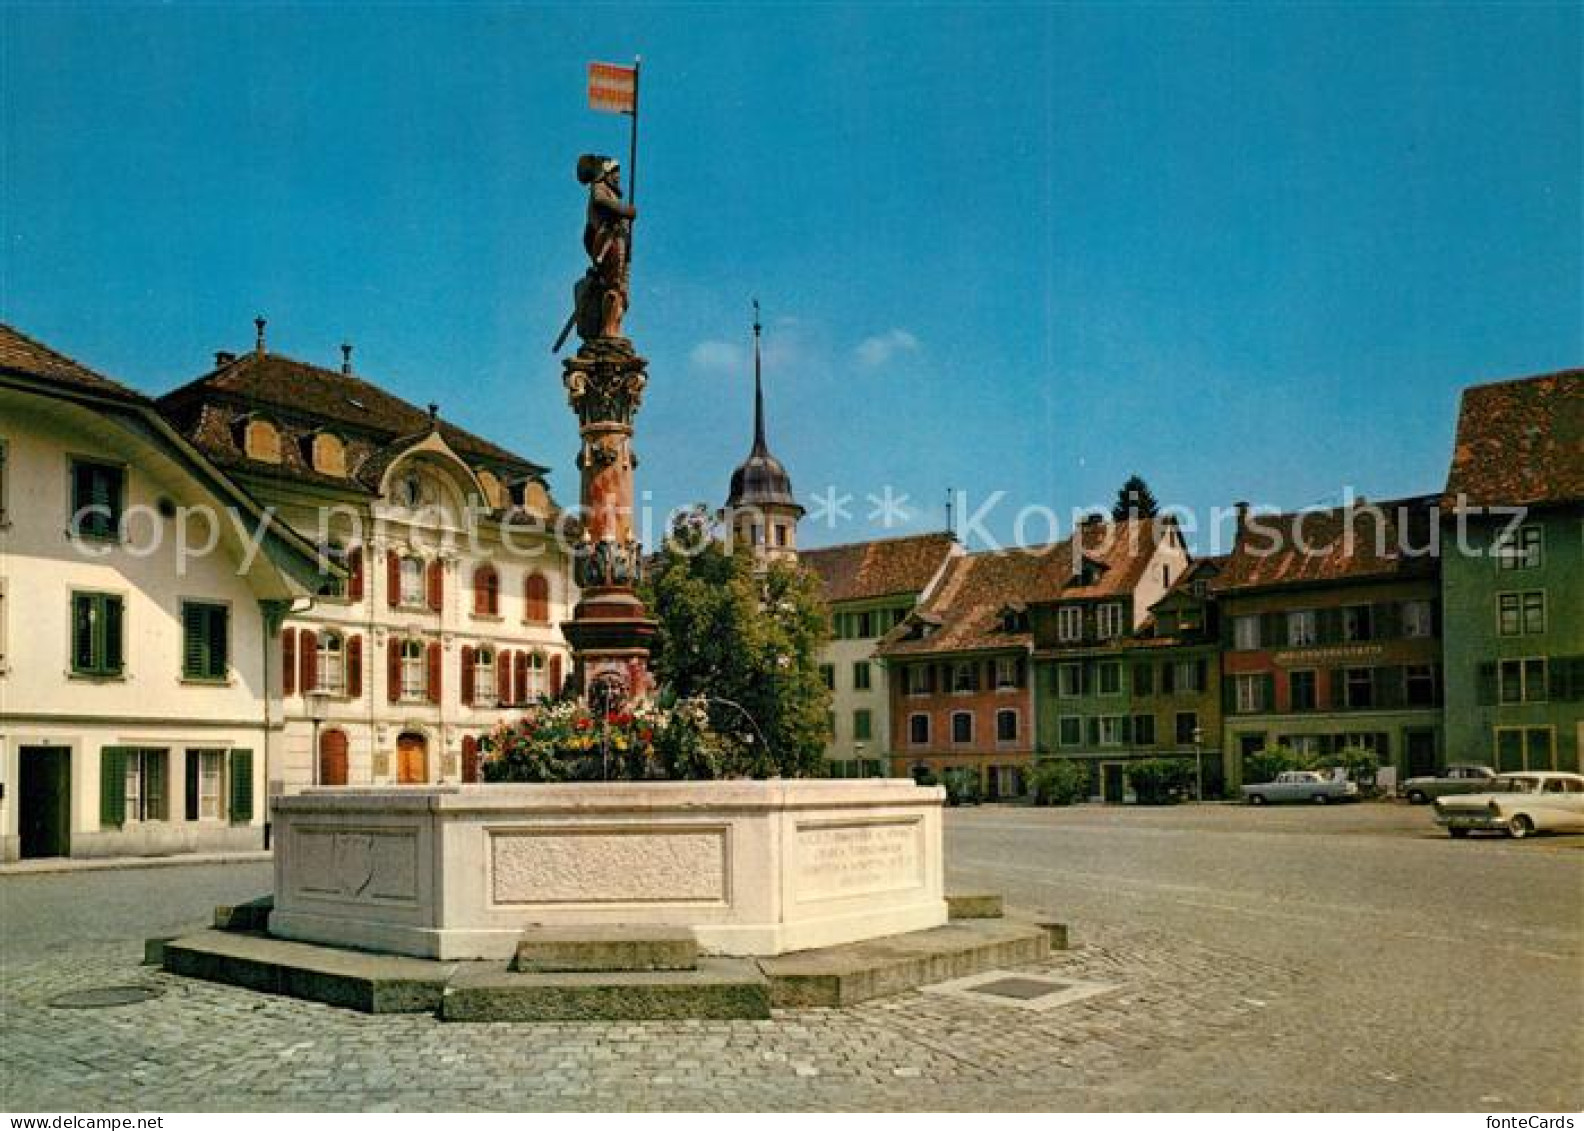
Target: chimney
434, 413
346, 358
223, 358
258, 345
1242, 509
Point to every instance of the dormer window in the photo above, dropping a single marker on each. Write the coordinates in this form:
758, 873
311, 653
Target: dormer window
494, 493
327, 454
412, 490
261, 440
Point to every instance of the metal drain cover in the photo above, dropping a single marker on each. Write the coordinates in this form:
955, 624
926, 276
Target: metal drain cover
1023, 989
104, 997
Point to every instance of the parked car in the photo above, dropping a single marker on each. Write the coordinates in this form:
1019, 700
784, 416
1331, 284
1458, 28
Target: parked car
1517, 804
1301, 785
1454, 779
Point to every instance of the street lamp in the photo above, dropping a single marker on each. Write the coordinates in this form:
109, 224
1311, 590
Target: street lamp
1198, 737
859, 749
318, 710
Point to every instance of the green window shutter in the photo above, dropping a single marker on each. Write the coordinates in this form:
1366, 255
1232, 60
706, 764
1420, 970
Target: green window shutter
110, 618
112, 786
219, 641
1486, 679
241, 787
1094, 731
191, 790
194, 640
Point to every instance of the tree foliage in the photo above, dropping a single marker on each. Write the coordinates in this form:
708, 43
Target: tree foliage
746, 643
1059, 781
1135, 500
1161, 781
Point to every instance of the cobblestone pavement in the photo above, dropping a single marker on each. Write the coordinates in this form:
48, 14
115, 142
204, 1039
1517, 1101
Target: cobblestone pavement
1243, 983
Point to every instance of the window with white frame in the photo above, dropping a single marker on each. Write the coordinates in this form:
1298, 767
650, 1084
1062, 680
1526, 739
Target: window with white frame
1110, 673
1301, 628
1521, 614
965, 677
538, 682
1111, 729
1186, 676
1521, 549
1418, 618
1250, 693
331, 662
485, 692
1108, 620
1006, 672
1069, 623
412, 582
211, 781
1246, 633
414, 684
145, 785
1523, 681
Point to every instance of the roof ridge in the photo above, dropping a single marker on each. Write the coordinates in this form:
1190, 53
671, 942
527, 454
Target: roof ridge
73, 362
1571, 371
890, 540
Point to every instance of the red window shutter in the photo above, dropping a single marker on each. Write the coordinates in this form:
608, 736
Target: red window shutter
536, 595
289, 661
434, 672
355, 573
503, 676
555, 677
467, 675
520, 679
393, 648
308, 660
470, 758
354, 666
492, 592
436, 578
392, 578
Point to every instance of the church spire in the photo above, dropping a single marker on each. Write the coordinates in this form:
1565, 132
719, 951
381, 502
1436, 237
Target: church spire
759, 445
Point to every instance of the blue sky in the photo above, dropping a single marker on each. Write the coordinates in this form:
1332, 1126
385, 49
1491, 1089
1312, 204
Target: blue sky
1250, 252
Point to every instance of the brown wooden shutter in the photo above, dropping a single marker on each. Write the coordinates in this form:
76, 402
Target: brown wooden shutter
289, 661
520, 679
354, 666
434, 673
536, 595
393, 669
308, 660
470, 758
503, 676
392, 578
480, 600
467, 675
555, 677
355, 573
436, 584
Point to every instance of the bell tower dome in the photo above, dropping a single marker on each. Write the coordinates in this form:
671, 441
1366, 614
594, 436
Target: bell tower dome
761, 513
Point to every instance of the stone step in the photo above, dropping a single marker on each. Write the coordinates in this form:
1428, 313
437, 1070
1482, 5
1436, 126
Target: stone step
250, 916
973, 905
719, 989
845, 975
596, 949
373, 983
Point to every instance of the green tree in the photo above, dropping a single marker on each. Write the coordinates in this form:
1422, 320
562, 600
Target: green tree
1161, 781
1059, 781
745, 641
1135, 500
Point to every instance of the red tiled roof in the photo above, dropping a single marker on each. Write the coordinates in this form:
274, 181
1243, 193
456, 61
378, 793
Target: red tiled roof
1364, 541
296, 390
965, 611
1520, 442
882, 568
1121, 550
22, 355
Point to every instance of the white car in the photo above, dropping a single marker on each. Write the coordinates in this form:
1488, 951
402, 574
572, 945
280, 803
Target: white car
1517, 804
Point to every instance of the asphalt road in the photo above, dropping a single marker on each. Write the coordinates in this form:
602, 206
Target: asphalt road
1426, 966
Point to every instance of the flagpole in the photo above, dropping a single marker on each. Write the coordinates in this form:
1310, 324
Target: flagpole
632, 157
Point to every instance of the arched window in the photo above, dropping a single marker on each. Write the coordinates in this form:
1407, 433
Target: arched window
536, 598
261, 440
414, 685
328, 454
331, 663
333, 749
486, 591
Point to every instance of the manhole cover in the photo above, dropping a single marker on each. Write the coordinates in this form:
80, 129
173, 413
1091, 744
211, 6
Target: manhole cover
1023, 989
105, 997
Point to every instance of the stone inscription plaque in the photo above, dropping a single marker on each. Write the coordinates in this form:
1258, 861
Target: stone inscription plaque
608, 866
858, 858
357, 865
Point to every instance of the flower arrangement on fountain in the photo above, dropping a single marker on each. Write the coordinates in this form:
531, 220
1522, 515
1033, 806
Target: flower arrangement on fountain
566, 740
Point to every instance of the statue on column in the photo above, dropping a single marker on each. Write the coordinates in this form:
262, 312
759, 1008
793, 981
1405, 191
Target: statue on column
601, 294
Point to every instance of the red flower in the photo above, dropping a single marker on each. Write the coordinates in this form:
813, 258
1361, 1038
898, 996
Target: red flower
584, 723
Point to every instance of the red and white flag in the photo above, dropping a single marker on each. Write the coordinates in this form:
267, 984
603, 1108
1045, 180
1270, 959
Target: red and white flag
613, 88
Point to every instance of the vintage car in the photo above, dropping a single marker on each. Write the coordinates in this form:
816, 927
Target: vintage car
1301, 785
1517, 804
1453, 779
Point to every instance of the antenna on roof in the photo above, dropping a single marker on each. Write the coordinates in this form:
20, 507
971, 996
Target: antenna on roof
434, 412
346, 357
951, 525
258, 344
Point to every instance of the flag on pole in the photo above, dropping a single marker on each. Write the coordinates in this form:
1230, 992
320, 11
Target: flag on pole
613, 88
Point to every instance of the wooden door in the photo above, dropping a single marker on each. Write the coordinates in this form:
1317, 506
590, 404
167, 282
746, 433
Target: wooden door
411, 756
1113, 783
45, 809
333, 758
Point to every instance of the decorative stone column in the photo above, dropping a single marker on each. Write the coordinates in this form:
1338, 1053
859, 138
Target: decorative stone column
609, 631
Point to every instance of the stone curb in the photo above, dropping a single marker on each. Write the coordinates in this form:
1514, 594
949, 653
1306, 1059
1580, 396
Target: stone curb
123, 863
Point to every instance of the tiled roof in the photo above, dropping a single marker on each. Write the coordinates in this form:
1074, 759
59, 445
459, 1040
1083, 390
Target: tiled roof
1365, 541
295, 390
1520, 443
887, 567
1121, 550
965, 612
22, 355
